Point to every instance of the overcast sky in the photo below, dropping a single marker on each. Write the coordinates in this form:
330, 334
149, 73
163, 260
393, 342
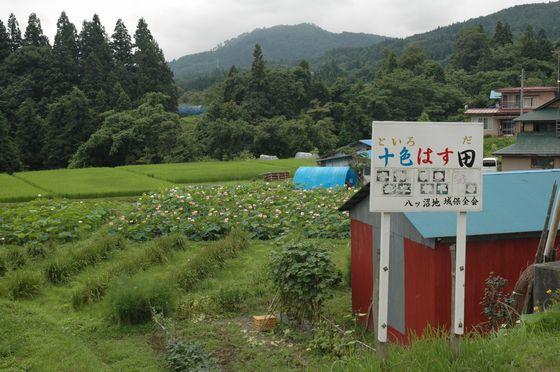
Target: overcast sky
188, 26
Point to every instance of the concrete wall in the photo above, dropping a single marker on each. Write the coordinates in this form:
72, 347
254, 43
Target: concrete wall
515, 163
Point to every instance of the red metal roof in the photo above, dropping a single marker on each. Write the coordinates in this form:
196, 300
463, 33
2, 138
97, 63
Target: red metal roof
495, 111
475, 111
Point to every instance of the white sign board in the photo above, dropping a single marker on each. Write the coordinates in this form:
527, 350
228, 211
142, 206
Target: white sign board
425, 166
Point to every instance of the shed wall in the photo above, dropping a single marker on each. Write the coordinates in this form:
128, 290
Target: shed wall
504, 257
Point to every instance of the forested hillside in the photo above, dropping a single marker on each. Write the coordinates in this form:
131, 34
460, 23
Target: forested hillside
282, 44
84, 94
438, 44
281, 110
94, 100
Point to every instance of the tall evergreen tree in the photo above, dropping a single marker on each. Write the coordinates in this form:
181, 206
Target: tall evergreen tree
70, 122
9, 154
15, 33
470, 46
96, 59
121, 45
502, 34
30, 133
258, 68
153, 73
65, 53
5, 46
121, 100
34, 32
543, 46
529, 43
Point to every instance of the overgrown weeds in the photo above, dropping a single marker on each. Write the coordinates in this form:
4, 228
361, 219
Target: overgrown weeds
63, 267
94, 288
23, 284
131, 300
211, 259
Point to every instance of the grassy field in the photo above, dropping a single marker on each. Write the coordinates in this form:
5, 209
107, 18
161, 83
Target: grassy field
14, 190
218, 171
91, 182
48, 333
134, 180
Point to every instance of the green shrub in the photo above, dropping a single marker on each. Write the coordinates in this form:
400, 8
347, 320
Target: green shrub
328, 340
36, 250
182, 356
23, 284
12, 258
303, 274
132, 300
172, 242
229, 300
92, 291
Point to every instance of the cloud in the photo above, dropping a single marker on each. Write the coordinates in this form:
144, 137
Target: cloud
189, 26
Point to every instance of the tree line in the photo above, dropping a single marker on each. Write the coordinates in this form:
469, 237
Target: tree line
90, 100
53, 98
281, 110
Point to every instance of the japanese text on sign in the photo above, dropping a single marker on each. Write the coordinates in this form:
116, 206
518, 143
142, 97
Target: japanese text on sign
426, 167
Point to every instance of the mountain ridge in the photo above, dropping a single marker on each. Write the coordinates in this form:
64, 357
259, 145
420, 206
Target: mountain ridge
286, 44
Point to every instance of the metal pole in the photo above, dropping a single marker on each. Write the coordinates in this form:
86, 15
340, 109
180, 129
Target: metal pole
383, 302
460, 264
522, 97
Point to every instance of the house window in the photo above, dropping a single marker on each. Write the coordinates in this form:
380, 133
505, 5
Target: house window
510, 101
530, 102
542, 163
487, 122
508, 127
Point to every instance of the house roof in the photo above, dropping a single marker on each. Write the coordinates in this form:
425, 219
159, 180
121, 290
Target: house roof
544, 114
484, 111
537, 144
548, 103
514, 202
335, 156
341, 155
496, 111
526, 89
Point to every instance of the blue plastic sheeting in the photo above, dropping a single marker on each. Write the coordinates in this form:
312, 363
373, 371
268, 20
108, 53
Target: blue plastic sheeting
513, 202
495, 95
367, 142
307, 178
189, 110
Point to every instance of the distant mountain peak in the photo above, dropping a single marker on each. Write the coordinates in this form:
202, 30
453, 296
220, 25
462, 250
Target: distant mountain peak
286, 44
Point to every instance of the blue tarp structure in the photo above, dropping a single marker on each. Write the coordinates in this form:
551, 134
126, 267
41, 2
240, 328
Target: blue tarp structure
189, 110
307, 178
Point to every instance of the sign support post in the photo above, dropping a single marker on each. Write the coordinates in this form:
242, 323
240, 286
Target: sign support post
383, 302
459, 290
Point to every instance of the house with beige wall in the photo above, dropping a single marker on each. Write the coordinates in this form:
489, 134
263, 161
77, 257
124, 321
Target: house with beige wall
537, 144
499, 119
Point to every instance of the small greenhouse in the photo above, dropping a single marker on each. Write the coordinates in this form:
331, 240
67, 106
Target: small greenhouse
307, 178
